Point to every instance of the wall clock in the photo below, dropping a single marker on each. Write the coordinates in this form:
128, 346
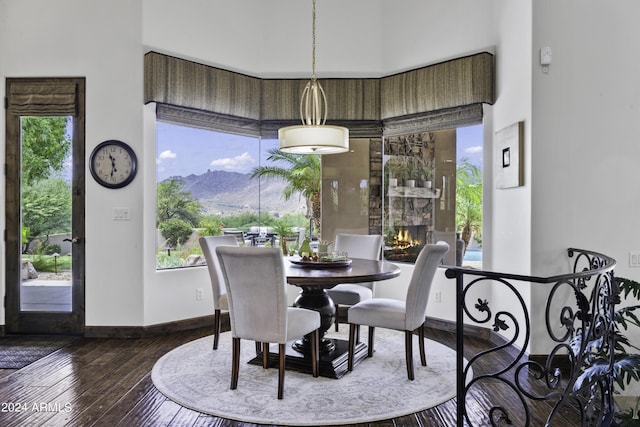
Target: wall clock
113, 164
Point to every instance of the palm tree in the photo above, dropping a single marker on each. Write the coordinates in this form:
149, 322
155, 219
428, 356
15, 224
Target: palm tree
302, 177
468, 200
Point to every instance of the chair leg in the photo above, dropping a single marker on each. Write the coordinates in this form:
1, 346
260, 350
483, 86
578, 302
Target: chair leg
336, 321
423, 357
352, 345
371, 333
235, 363
259, 348
216, 329
265, 355
281, 353
408, 340
315, 344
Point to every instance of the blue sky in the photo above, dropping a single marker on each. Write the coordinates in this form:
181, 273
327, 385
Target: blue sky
469, 140
182, 151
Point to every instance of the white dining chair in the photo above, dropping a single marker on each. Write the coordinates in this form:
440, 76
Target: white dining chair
255, 282
209, 245
407, 315
366, 246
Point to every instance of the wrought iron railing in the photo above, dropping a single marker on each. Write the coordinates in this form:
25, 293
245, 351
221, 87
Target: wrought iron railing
579, 322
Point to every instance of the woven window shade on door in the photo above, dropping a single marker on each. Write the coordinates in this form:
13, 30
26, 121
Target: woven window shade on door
44, 98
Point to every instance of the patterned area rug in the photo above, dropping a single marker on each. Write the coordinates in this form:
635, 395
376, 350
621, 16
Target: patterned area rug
197, 377
19, 351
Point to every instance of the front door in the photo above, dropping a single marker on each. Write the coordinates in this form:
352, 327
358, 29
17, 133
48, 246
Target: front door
45, 206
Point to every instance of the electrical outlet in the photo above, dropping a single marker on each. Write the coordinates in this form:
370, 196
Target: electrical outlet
438, 296
634, 259
199, 292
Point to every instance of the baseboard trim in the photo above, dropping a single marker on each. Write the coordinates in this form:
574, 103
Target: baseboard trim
467, 330
207, 321
152, 330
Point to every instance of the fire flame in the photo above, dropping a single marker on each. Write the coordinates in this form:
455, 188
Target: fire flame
404, 240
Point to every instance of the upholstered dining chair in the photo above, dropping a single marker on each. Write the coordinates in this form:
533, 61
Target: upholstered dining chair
209, 245
367, 246
255, 282
407, 315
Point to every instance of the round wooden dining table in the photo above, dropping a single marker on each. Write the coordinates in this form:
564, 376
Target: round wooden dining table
314, 279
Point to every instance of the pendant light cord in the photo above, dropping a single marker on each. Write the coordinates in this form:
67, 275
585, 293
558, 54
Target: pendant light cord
313, 41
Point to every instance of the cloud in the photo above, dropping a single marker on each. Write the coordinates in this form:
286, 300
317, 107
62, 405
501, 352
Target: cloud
167, 154
474, 149
234, 163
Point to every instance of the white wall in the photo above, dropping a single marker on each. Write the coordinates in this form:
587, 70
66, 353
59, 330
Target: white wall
102, 42
269, 38
507, 212
586, 133
416, 33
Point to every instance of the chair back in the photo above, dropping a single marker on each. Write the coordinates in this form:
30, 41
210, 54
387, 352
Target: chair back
420, 285
366, 246
209, 245
256, 288
238, 234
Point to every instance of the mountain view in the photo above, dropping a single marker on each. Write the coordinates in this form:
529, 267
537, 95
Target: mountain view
227, 193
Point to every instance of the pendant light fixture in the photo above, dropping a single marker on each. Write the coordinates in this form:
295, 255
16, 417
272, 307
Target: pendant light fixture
313, 136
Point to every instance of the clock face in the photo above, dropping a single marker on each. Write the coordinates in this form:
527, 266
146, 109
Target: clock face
113, 164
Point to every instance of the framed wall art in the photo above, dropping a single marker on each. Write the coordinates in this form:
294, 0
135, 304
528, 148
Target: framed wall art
509, 156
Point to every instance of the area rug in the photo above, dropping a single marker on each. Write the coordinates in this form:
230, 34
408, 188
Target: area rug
197, 377
19, 351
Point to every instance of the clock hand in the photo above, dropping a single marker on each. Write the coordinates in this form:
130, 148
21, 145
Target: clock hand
113, 164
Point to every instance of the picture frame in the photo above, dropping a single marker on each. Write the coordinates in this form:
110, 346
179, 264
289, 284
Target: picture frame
509, 156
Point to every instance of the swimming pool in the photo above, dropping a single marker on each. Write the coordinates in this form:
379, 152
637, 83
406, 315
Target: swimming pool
473, 255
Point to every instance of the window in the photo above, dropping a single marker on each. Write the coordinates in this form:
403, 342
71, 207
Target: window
432, 192
206, 186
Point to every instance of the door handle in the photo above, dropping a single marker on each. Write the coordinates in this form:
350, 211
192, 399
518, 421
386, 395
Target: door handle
73, 240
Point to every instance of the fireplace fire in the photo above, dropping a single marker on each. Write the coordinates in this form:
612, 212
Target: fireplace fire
403, 247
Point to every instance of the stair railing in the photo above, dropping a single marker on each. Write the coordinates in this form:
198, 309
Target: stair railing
579, 321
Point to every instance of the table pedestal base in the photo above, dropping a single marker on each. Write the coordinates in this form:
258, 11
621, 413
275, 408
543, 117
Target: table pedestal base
332, 365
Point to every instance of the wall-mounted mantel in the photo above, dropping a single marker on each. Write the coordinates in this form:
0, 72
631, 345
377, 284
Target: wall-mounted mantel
417, 192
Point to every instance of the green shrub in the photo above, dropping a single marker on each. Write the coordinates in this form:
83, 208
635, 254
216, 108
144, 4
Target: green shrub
211, 226
164, 260
176, 231
48, 263
45, 249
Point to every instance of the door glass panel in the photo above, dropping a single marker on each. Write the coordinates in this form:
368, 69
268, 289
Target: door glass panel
46, 202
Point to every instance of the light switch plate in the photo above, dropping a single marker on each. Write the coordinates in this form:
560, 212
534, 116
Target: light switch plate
121, 214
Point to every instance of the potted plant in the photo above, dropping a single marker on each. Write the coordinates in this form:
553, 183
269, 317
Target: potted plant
411, 171
427, 172
626, 364
394, 169
282, 229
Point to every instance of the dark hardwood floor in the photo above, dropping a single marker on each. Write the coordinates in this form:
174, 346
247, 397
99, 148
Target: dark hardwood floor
107, 382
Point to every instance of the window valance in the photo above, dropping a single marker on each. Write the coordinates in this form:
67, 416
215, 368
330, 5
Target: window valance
443, 95
42, 98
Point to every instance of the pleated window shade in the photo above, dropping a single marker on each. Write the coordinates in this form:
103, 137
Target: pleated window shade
207, 120
42, 98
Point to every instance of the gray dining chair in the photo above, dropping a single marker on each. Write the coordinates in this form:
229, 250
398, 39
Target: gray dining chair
366, 246
209, 245
407, 315
255, 282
